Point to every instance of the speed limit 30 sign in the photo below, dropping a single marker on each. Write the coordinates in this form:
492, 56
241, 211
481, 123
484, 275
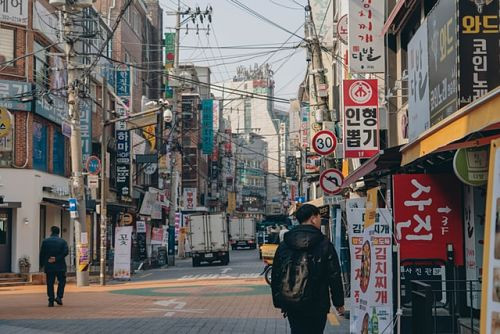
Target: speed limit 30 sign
324, 142
331, 181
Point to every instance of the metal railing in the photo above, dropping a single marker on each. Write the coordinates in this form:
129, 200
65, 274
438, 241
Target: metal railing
432, 315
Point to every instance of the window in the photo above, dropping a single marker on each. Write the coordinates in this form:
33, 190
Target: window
41, 69
7, 46
58, 153
6, 148
39, 146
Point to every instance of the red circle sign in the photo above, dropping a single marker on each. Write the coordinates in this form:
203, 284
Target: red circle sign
331, 181
324, 142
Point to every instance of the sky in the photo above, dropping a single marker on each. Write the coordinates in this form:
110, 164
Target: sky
233, 26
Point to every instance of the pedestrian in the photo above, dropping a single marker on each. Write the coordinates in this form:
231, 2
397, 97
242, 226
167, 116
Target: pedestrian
52, 258
306, 274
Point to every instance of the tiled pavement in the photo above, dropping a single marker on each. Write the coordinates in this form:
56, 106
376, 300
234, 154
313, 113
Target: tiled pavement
241, 306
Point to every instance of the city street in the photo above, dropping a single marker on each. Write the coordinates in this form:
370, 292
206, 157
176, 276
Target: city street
171, 300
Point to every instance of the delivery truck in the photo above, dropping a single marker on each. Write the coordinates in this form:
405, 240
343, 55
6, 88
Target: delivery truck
208, 238
242, 232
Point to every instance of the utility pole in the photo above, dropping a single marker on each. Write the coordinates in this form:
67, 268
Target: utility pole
104, 182
77, 184
173, 174
318, 71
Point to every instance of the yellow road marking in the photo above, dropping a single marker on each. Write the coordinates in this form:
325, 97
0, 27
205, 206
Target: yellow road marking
332, 318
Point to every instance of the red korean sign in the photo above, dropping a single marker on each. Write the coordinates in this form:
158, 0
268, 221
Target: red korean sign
361, 135
427, 216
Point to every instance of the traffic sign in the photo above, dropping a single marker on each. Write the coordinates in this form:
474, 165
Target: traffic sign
324, 142
72, 204
5, 122
331, 181
93, 165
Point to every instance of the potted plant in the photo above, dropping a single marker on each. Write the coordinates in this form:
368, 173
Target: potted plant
24, 264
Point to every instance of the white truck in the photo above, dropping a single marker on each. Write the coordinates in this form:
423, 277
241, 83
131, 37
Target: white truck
242, 232
207, 236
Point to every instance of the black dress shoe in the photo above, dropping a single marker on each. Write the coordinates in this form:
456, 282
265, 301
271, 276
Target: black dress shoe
51, 304
58, 301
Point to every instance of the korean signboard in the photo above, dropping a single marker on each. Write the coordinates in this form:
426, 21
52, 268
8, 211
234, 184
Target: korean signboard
361, 137
156, 236
366, 43
14, 11
123, 81
189, 198
478, 50
86, 127
427, 214
123, 246
490, 294
291, 167
169, 50
313, 164
56, 111
207, 126
14, 88
442, 45
418, 83
304, 126
371, 272
123, 162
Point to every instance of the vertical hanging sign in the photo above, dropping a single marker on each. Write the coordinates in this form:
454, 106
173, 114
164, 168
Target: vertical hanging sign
86, 128
123, 162
207, 126
366, 42
361, 137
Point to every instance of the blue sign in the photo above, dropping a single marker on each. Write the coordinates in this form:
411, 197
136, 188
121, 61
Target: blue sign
11, 93
207, 126
93, 165
52, 107
301, 199
123, 81
72, 204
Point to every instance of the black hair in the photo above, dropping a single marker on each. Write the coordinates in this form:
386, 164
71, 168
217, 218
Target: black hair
305, 212
55, 230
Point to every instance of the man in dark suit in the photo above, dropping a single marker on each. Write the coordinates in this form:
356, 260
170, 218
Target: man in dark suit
52, 259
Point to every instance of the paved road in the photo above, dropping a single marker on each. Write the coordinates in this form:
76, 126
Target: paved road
244, 263
173, 300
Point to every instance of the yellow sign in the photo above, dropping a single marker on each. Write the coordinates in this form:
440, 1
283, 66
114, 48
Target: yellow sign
231, 202
371, 206
5, 122
149, 134
490, 293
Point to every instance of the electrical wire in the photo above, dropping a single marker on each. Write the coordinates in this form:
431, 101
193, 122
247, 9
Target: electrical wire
284, 6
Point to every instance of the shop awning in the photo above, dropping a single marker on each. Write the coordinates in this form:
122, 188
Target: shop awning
119, 207
60, 203
384, 160
480, 115
10, 205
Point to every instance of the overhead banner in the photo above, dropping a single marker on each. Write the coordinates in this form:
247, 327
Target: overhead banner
442, 44
361, 119
428, 216
366, 42
371, 272
207, 126
418, 83
479, 63
490, 294
123, 246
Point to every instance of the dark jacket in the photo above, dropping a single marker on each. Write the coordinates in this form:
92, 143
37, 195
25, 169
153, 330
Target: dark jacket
57, 247
325, 267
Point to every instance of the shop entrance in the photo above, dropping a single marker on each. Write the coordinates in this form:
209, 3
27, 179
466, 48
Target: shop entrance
5, 240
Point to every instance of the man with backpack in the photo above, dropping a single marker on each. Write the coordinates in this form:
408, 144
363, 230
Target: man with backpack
306, 274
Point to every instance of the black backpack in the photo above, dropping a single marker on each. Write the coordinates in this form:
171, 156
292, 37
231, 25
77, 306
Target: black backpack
297, 280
